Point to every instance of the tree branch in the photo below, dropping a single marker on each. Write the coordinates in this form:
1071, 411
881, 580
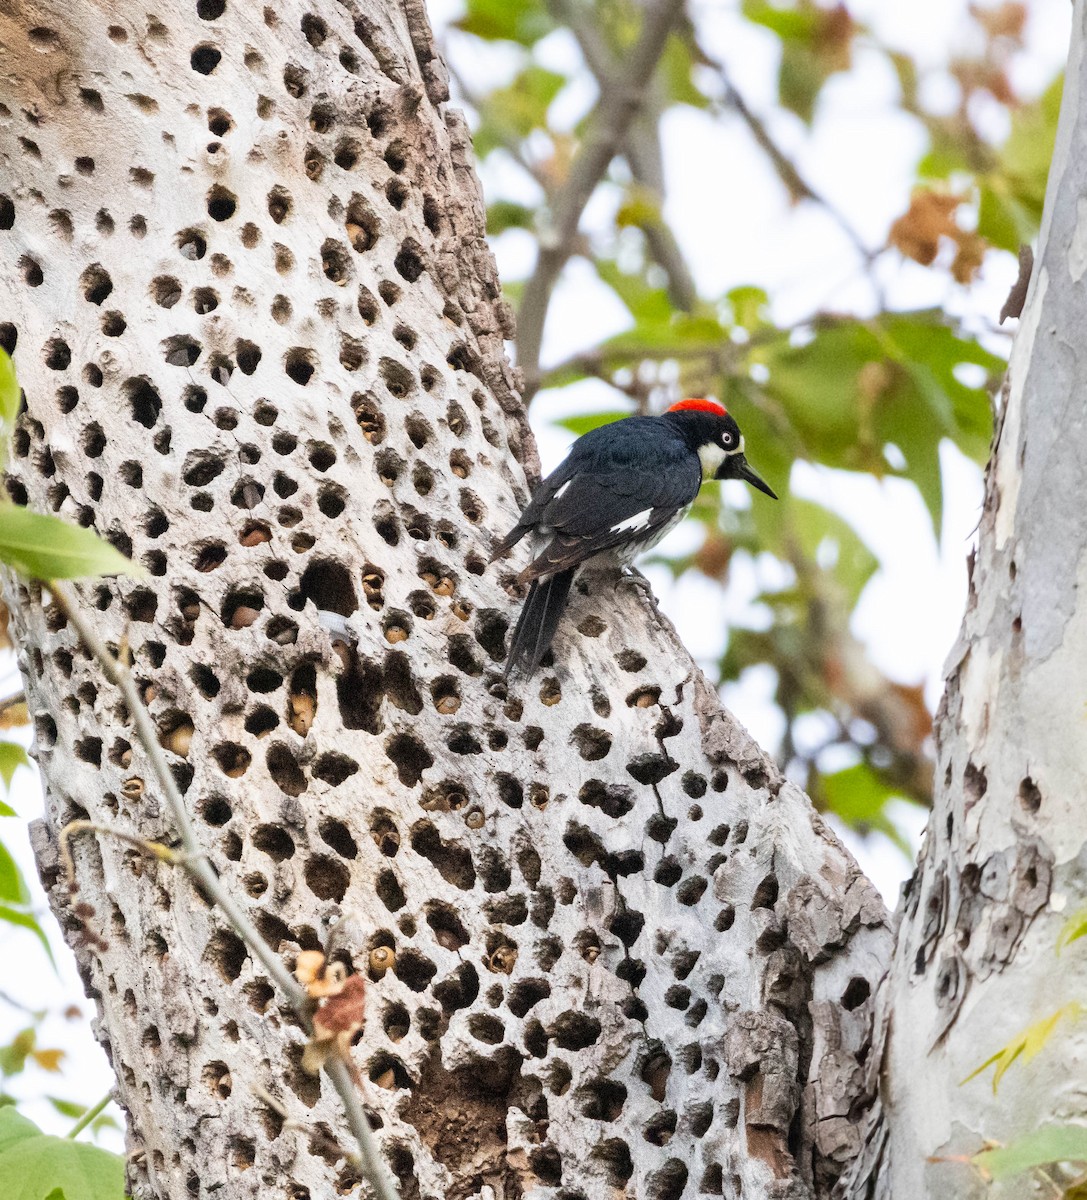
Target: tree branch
607, 128
195, 861
795, 184
641, 148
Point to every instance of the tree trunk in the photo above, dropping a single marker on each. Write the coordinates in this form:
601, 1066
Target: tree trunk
1002, 865
261, 338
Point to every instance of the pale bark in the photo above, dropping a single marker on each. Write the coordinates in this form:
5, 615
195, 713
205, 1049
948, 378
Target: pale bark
1002, 866
628, 955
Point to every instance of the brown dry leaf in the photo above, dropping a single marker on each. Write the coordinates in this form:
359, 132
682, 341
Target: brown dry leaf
342, 1013
714, 555
48, 1060
1006, 20
930, 216
308, 966
14, 713
320, 980
969, 257
981, 75
833, 39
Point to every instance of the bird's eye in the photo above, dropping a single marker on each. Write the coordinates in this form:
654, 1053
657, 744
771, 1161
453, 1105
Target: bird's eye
726, 439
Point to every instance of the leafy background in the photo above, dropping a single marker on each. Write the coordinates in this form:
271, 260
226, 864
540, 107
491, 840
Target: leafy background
815, 218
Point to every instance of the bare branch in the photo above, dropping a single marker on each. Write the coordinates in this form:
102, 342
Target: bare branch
795, 184
196, 863
607, 129
642, 150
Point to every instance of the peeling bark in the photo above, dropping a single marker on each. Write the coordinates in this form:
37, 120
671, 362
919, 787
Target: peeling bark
1002, 866
261, 337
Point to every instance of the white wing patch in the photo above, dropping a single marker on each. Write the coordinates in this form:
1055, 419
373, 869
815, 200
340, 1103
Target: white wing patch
565, 487
635, 523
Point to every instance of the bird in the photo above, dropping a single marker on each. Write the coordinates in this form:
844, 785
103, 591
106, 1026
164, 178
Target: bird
619, 490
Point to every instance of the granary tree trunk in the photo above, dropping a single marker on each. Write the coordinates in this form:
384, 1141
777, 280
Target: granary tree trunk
261, 338
1002, 868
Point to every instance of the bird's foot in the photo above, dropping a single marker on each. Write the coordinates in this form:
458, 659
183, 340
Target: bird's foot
629, 577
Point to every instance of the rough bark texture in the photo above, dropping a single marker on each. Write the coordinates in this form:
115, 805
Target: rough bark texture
1003, 864
261, 338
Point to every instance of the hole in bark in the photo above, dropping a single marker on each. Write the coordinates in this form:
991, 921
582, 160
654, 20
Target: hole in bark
337, 836
575, 1031
274, 841
668, 872
410, 757
614, 1155
285, 771
457, 990
260, 722
613, 800
691, 891
856, 993
1030, 796
602, 1099
766, 893
669, 1182
299, 365
227, 953
327, 878
448, 929
389, 891
334, 768
144, 401
414, 970
454, 863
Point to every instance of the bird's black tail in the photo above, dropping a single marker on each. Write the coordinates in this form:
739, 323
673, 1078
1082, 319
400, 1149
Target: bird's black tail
539, 619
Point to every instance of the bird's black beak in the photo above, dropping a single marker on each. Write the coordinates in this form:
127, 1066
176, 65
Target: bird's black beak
736, 466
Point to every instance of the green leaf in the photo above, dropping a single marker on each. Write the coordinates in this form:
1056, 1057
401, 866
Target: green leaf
1026, 1045
522, 21
26, 920
9, 395
1002, 220
12, 757
45, 547
6, 810
510, 114
36, 1166
1026, 155
675, 72
13, 1056
857, 794
1072, 930
506, 214
582, 424
1049, 1144
790, 24
822, 533
13, 888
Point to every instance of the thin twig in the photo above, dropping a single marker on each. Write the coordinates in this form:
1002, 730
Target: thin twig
606, 130
796, 185
90, 1115
316, 1136
641, 149
196, 863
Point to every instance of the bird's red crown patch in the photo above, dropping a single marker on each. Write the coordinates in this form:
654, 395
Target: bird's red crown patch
710, 406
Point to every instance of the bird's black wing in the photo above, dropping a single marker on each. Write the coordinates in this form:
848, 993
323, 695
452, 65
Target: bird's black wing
605, 500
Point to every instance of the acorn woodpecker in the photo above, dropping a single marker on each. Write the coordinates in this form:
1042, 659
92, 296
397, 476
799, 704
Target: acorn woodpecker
621, 488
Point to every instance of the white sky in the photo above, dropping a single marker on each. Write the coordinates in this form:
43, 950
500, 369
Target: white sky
733, 221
